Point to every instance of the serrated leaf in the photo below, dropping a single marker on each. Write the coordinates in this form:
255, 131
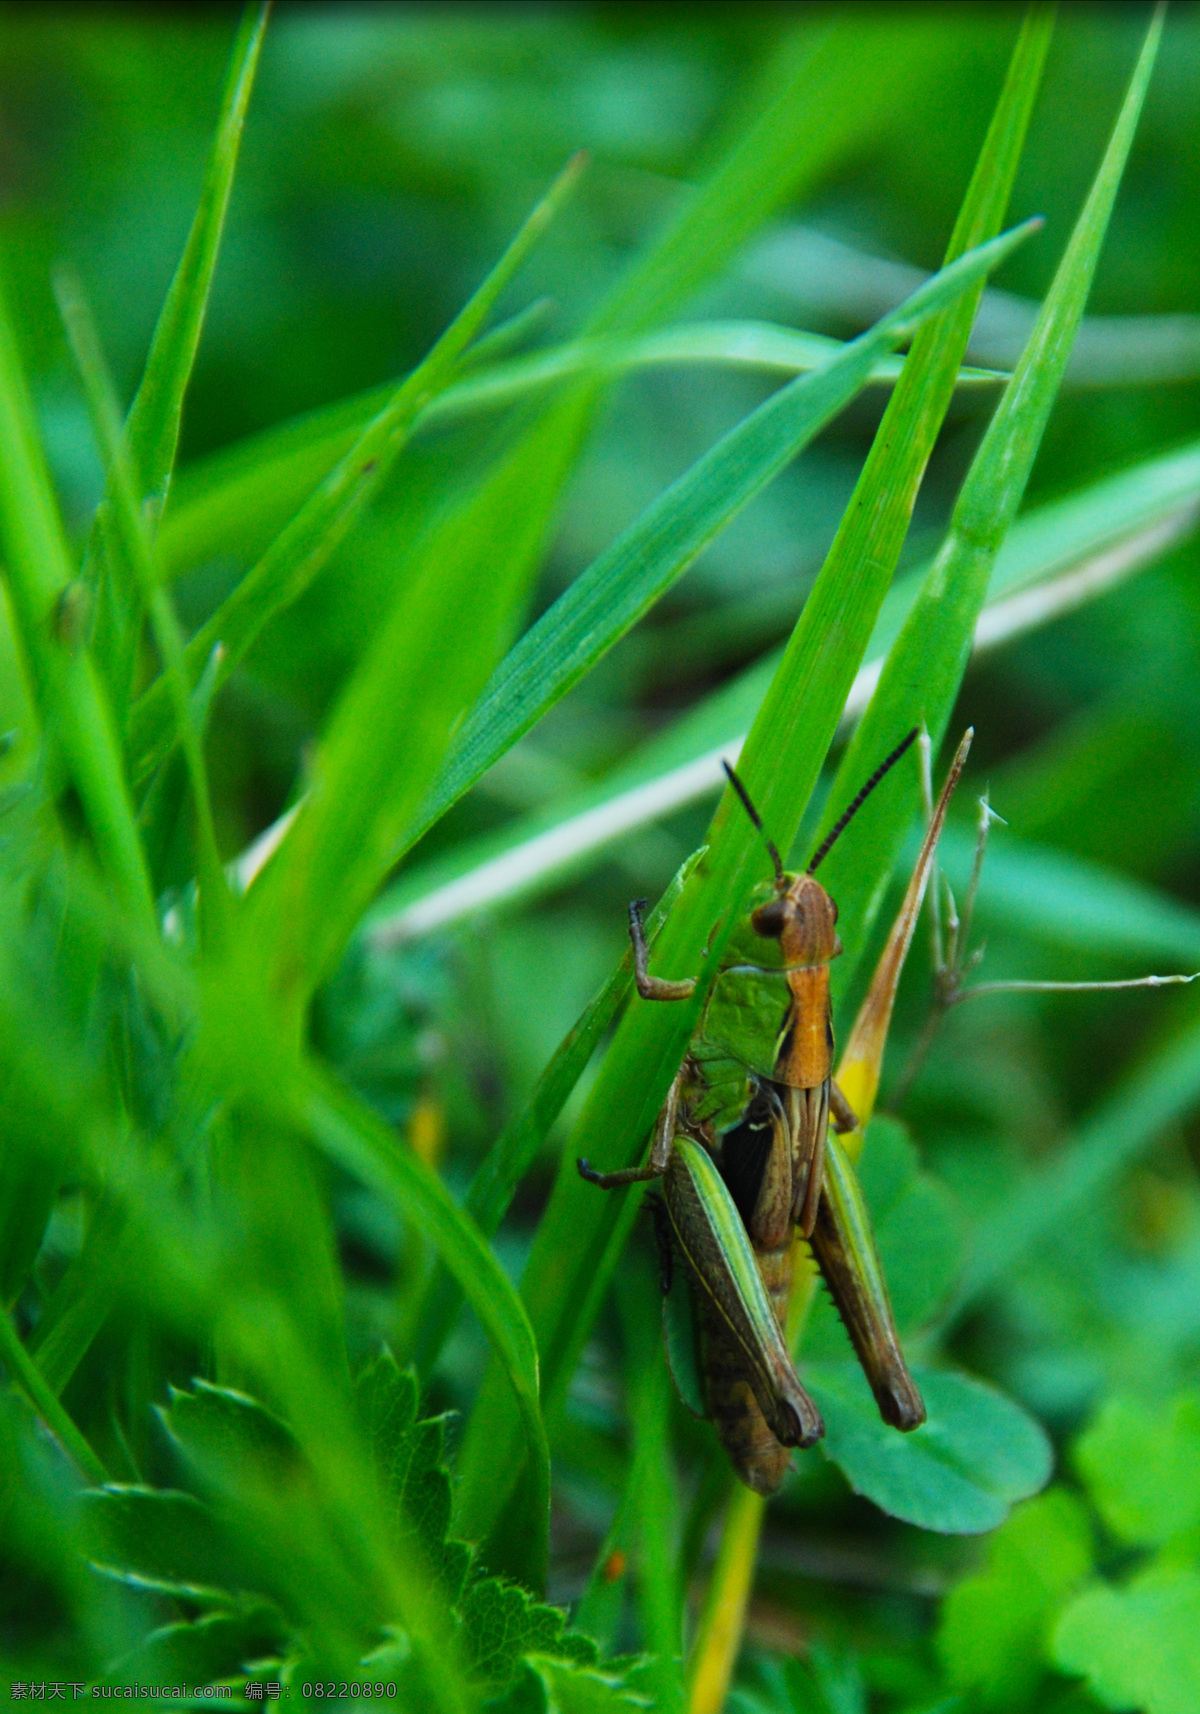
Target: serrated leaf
959, 1474
206, 1650
993, 1626
409, 1457
502, 1622
554, 1687
223, 1433
1136, 1646
162, 1539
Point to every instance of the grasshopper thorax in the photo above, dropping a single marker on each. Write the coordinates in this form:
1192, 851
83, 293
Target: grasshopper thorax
802, 918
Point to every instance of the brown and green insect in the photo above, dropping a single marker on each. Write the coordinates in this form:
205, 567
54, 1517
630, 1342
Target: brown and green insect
746, 1155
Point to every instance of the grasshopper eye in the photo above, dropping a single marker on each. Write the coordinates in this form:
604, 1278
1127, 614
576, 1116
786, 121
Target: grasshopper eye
768, 919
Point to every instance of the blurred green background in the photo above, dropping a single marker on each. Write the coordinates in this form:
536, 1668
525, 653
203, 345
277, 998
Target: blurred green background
389, 153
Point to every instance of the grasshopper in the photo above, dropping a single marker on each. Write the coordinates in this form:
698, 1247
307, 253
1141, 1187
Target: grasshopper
746, 1148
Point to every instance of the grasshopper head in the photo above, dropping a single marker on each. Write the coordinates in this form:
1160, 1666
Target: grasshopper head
802, 918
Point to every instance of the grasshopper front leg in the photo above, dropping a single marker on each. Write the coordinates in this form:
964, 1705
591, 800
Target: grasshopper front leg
652, 987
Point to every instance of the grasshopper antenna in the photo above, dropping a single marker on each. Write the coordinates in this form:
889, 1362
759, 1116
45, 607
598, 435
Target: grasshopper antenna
848, 814
756, 820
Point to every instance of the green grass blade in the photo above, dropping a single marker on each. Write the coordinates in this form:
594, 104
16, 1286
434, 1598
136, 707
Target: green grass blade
130, 531
653, 1484
66, 689
818, 102
158, 407
231, 497
363, 1145
516, 1148
922, 674
657, 548
576, 1244
780, 764
374, 799
154, 417
299, 552
26, 1374
794, 134
1058, 557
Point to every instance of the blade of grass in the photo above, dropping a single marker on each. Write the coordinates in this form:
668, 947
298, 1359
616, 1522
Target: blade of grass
515, 1149
305, 545
654, 1490
138, 553
872, 533
803, 122
216, 503
576, 1246
24, 1373
66, 689
682, 765
154, 418
374, 800
636, 570
924, 669
820, 95
931, 652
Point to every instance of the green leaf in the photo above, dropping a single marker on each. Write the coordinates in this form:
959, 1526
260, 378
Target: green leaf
409, 1456
958, 1474
222, 504
516, 1148
501, 1623
609, 597
1136, 1646
45, 602
553, 1687
1124, 522
154, 417
161, 1539
1141, 1464
221, 1432
993, 1628
653, 1486
798, 126
305, 545
156, 411
924, 668
362, 1144
204, 1651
